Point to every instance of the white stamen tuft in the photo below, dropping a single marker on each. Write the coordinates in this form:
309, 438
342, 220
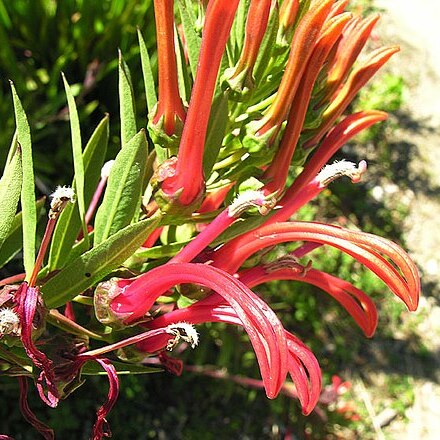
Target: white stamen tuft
9, 322
105, 170
60, 198
251, 199
184, 331
343, 168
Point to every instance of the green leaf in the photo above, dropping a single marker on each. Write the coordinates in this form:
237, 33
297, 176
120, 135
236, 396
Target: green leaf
193, 41
14, 241
124, 188
150, 86
127, 106
92, 266
28, 187
92, 368
10, 189
218, 120
78, 164
69, 222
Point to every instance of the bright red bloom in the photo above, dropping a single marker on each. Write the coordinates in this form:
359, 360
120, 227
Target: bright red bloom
265, 331
187, 182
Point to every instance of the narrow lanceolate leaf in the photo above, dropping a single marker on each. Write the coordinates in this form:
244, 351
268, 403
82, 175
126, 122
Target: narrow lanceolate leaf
126, 103
69, 222
95, 264
28, 207
10, 189
123, 189
193, 41
14, 241
78, 164
150, 87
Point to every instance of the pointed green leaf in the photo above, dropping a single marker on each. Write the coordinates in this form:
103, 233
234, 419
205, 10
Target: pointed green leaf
218, 120
124, 188
69, 222
10, 189
193, 41
150, 87
92, 266
28, 186
14, 240
127, 107
78, 163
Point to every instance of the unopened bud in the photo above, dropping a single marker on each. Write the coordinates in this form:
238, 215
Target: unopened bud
105, 170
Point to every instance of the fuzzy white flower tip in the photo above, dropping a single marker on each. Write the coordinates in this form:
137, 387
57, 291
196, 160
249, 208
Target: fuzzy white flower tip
60, 197
105, 170
250, 199
9, 321
343, 168
64, 194
182, 331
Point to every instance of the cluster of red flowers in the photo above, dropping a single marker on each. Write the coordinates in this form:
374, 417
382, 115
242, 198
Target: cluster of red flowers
286, 90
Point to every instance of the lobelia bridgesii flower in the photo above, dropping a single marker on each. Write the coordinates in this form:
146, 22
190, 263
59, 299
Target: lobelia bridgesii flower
401, 276
169, 115
355, 81
240, 77
183, 182
355, 301
265, 130
265, 331
301, 363
354, 38
302, 81
288, 13
276, 173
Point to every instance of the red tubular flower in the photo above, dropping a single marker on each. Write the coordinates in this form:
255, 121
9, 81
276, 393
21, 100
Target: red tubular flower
288, 12
27, 303
401, 276
260, 322
356, 80
355, 301
187, 182
28, 414
221, 222
338, 8
354, 38
276, 173
214, 199
335, 139
301, 363
302, 46
256, 24
305, 187
169, 106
